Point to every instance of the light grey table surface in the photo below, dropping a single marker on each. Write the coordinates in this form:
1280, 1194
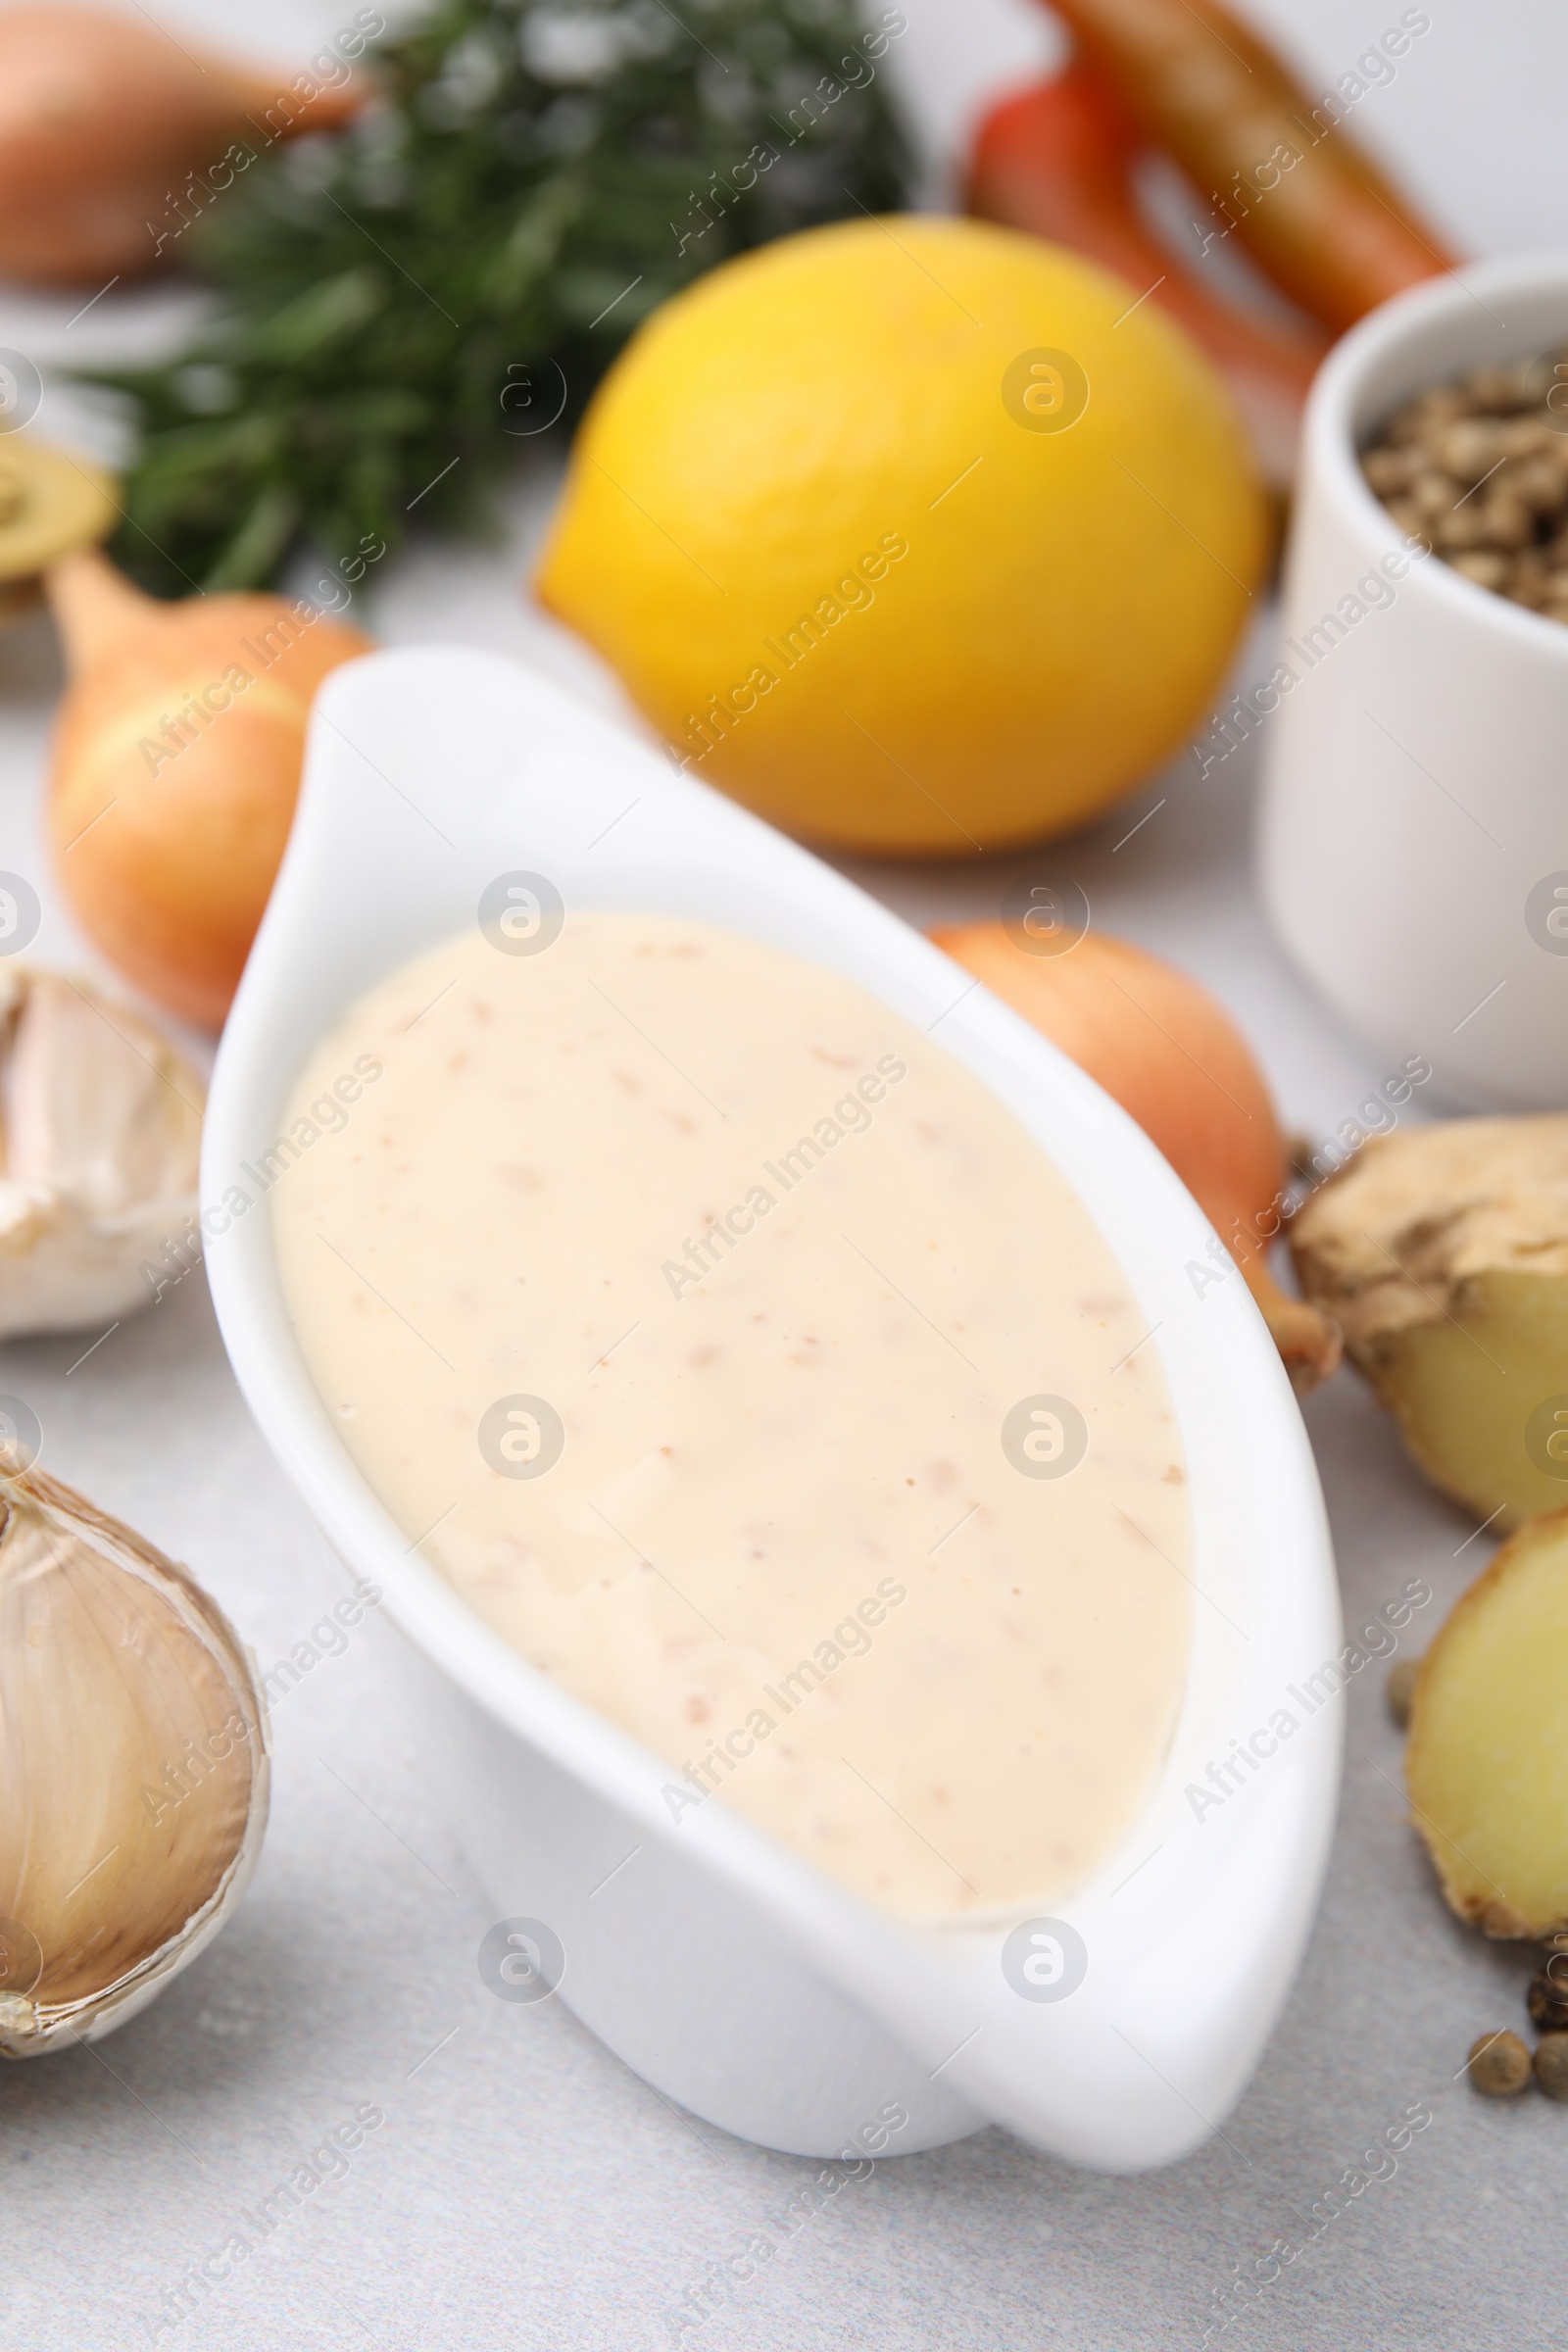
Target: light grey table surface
524, 2188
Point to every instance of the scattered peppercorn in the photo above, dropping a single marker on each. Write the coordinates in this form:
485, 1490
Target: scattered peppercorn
1399, 1689
1499, 2064
1551, 2064
1477, 471
1547, 2002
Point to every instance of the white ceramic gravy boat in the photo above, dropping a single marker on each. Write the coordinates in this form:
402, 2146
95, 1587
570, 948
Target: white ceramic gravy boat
728, 1973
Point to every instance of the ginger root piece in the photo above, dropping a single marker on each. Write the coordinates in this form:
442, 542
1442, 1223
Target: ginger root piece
1487, 1762
1442, 1254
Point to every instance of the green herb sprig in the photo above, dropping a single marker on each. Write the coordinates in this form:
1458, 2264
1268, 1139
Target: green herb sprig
405, 304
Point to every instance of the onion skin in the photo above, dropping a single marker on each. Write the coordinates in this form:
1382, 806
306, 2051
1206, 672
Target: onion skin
101, 120
1174, 1061
168, 855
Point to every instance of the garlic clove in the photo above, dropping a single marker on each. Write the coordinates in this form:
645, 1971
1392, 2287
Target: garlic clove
100, 1139
134, 1764
93, 1104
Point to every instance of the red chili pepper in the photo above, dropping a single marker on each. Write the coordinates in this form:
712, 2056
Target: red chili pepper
1058, 160
1280, 169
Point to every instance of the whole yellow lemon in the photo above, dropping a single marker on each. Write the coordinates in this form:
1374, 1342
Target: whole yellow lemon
918, 535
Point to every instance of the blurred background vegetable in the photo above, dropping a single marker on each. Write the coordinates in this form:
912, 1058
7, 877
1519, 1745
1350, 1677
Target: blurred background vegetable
1058, 160
1185, 82
104, 122
1331, 229
399, 304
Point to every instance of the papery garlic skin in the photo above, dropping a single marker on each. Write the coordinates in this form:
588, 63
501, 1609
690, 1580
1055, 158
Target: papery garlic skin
134, 1769
100, 1139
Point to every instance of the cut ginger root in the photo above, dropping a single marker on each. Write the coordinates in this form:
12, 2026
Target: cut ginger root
1442, 1254
1172, 1057
1487, 1764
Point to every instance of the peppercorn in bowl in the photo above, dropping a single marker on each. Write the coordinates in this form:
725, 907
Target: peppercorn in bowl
1410, 734
1477, 471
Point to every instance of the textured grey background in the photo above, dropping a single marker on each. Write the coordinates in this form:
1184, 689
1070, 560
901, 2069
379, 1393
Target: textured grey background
524, 2188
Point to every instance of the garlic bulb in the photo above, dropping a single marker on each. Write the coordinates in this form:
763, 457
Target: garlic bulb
100, 1131
133, 1768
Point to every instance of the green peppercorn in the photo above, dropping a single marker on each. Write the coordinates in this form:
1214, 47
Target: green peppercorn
1551, 2064
1499, 2064
1547, 2002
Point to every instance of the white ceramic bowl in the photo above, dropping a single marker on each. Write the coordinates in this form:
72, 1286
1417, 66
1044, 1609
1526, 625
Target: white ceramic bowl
1414, 821
728, 1973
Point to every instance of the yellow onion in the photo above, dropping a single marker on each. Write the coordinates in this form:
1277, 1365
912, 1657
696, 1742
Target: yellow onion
175, 770
113, 135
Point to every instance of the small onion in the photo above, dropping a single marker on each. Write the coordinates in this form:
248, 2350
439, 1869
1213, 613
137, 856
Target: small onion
1176, 1062
175, 771
101, 120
